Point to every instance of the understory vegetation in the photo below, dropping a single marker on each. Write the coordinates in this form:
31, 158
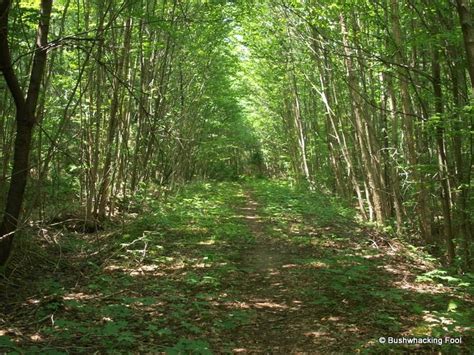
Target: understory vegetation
218, 176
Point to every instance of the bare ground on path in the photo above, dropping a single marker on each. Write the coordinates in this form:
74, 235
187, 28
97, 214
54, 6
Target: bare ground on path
281, 323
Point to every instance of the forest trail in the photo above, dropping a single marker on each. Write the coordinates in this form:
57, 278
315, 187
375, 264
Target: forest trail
312, 296
281, 320
252, 267
264, 256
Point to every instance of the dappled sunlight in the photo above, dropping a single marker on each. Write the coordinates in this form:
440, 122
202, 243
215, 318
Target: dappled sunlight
79, 296
318, 264
257, 303
269, 304
255, 218
207, 242
36, 337
155, 270
219, 176
235, 304
240, 350
318, 334
421, 288
250, 282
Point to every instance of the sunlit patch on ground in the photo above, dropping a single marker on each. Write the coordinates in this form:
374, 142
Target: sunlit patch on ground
78, 296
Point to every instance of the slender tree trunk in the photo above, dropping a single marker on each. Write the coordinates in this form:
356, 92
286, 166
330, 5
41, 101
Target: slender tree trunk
122, 63
300, 131
464, 12
25, 119
442, 159
424, 216
465, 18
374, 186
393, 169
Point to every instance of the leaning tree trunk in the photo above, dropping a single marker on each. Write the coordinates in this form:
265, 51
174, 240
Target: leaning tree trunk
25, 118
361, 129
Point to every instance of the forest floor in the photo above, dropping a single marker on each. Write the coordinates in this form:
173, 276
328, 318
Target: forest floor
257, 266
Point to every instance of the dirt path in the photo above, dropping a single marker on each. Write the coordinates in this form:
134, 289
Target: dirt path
282, 322
265, 256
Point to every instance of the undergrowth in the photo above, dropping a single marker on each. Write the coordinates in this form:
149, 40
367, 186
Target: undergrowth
175, 278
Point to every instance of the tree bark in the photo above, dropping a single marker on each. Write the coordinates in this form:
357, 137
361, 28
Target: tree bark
464, 12
25, 118
442, 160
394, 174
465, 18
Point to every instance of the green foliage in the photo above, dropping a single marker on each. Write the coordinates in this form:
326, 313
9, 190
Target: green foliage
444, 277
187, 346
7, 344
297, 203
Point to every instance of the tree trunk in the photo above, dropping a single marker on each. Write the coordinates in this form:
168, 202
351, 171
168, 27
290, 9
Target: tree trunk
25, 119
464, 12
442, 159
122, 64
394, 173
361, 120
424, 217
